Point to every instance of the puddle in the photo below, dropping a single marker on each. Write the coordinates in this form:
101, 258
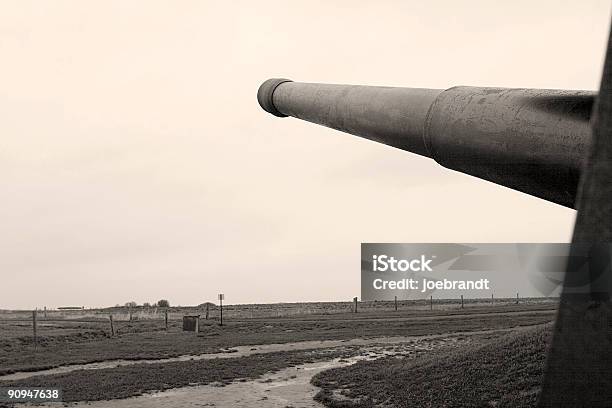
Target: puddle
242, 351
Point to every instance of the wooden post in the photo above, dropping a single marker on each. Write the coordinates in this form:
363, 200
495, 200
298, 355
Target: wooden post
396, 303
207, 305
355, 300
166, 318
431, 303
462, 301
112, 327
45, 312
517, 298
130, 309
34, 329
197, 325
492, 301
221, 296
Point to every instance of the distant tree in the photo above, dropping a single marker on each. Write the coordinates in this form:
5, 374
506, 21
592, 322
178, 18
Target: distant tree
146, 304
163, 303
131, 304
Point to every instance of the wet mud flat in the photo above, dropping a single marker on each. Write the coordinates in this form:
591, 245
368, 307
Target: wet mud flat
286, 382
234, 352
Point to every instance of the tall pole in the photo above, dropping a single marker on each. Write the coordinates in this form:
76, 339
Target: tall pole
396, 303
462, 301
221, 304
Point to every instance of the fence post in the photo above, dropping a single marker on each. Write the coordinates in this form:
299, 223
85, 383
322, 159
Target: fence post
221, 296
492, 301
355, 300
197, 325
166, 318
112, 327
130, 309
396, 303
207, 305
430, 302
34, 329
462, 301
517, 298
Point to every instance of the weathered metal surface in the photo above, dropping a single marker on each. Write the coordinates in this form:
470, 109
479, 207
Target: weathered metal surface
265, 93
393, 116
530, 140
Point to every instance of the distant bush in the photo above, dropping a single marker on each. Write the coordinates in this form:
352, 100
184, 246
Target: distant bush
163, 303
131, 304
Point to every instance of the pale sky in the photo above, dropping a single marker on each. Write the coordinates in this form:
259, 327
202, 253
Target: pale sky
136, 164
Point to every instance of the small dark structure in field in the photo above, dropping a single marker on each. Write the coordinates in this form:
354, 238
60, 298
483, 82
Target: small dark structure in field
191, 323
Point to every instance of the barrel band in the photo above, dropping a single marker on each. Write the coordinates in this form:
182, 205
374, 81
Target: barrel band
265, 94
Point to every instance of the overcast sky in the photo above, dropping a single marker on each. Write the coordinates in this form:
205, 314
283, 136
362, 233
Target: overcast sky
136, 164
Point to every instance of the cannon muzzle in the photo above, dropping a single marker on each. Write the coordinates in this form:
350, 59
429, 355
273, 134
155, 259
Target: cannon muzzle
530, 140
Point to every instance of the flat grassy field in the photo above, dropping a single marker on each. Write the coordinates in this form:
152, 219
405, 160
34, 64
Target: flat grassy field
66, 342
74, 342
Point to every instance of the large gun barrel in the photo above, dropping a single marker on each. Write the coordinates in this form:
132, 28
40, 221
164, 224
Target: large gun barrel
531, 140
